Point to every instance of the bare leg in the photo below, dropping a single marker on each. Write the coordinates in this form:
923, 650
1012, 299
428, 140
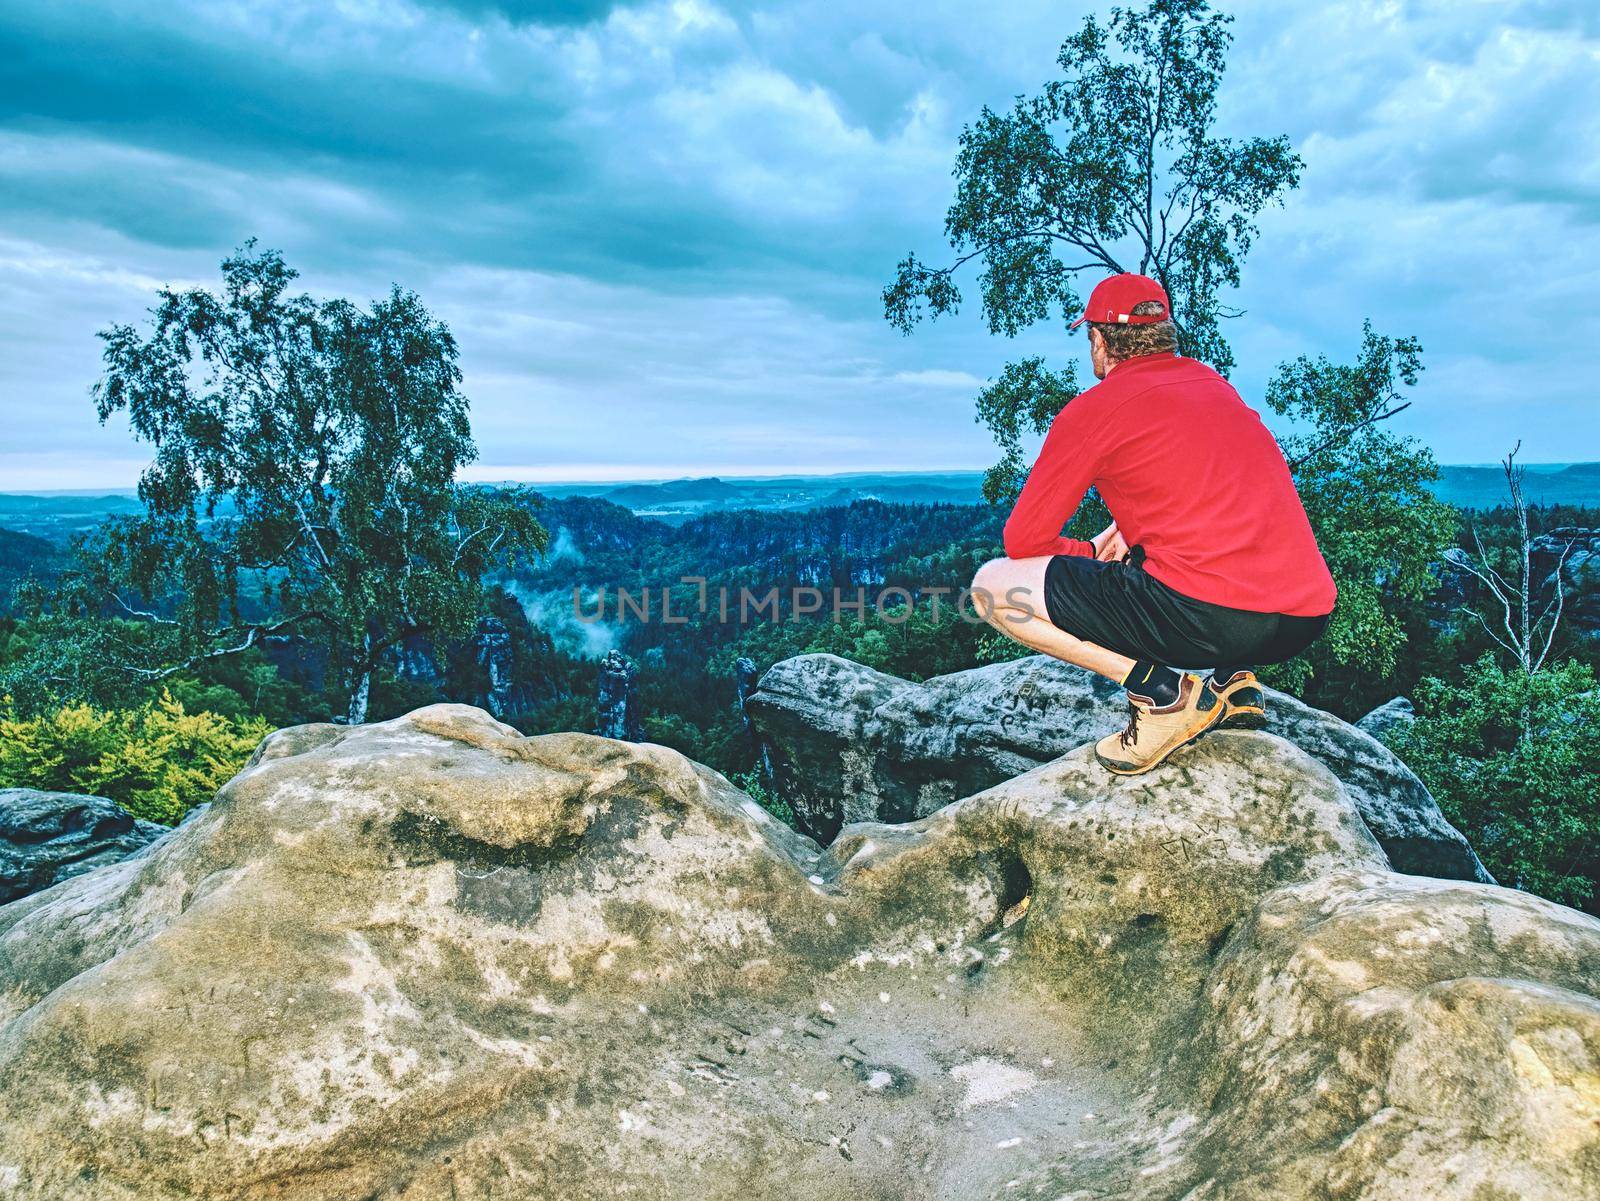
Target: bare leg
1009, 595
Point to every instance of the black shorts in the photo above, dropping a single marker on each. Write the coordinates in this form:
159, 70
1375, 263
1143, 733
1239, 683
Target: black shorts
1124, 608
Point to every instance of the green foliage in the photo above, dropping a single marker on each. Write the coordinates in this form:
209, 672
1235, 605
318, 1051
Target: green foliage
1513, 760
1367, 494
1111, 167
910, 642
246, 685
995, 647
677, 732
750, 783
158, 760
57, 654
303, 481
1024, 400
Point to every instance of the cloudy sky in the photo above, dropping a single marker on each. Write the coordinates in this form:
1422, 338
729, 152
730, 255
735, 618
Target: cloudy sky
659, 230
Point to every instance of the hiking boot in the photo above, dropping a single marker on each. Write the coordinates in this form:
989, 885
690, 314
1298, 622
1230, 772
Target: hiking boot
1153, 734
1244, 705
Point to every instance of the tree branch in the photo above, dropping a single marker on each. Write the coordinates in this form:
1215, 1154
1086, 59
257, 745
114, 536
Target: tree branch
145, 614
253, 635
1560, 602
1345, 435
1511, 650
1504, 588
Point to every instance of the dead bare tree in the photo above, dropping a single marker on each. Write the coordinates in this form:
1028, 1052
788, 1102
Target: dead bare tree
1526, 638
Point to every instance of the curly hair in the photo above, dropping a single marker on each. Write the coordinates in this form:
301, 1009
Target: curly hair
1130, 341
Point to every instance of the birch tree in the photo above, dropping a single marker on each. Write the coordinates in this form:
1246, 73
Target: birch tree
303, 481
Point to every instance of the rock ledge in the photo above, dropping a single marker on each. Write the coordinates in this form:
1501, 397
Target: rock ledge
432, 958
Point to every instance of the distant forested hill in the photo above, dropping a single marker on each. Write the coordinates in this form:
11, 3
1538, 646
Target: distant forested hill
1571, 484
676, 502
22, 555
59, 515
1465, 486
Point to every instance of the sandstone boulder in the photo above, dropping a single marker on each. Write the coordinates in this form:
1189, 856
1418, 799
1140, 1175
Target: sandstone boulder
1389, 716
847, 743
1577, 551
431, 958
47, 837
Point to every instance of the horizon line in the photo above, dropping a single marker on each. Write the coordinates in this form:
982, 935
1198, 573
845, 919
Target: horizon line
754, 477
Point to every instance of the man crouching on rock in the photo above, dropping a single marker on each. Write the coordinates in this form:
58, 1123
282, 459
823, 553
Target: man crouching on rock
1209, 561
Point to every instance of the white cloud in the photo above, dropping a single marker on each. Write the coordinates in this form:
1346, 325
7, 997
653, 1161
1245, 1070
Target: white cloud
935, 378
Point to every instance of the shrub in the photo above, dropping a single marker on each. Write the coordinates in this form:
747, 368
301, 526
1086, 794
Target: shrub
750, 784
1514, 762
157, 760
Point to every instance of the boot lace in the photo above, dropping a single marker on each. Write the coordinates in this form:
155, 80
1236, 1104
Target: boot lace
1130, 733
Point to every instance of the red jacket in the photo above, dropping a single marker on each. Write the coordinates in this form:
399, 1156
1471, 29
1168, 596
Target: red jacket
1192, 475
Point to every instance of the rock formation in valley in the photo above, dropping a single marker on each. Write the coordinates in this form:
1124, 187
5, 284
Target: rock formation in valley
616, 708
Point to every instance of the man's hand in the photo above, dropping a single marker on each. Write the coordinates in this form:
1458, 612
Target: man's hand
1109, 546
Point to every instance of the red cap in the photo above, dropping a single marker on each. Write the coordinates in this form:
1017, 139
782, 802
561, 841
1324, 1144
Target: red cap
1113, 299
